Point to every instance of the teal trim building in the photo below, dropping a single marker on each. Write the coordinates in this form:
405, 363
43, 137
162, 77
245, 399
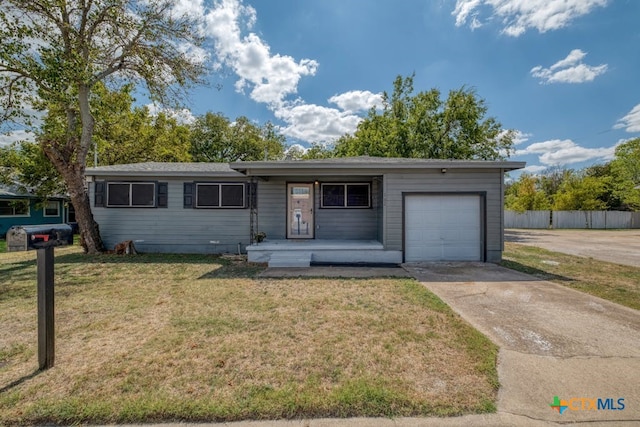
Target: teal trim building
19, 208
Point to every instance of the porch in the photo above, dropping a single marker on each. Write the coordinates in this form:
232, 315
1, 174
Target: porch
304, 252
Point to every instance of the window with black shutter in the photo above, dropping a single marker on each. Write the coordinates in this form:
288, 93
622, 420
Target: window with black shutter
129, 194
210, 195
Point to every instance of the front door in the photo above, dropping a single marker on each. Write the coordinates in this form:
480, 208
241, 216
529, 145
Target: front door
299, 211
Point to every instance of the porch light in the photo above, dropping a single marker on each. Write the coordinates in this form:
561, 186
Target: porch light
443, 170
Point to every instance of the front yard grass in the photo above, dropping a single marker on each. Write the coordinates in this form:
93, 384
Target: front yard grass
614, 282
153, 338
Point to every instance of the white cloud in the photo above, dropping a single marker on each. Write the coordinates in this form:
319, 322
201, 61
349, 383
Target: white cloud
518, 16
630, 122
563, 152
183, 116
269, 77
314, 123
357, 100
569, 70
521, 137
534, 169
272, 78
16, 135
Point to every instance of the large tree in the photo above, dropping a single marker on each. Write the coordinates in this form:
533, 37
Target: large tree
625, 167
214, 138
423, 125
123, 133
526, 194
53, 53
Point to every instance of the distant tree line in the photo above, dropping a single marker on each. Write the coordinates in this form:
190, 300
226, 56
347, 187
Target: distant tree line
407, 124
614, 185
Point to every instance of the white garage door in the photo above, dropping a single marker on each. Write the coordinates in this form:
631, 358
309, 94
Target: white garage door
442, 228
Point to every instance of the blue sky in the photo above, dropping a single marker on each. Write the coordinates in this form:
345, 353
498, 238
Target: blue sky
562, 73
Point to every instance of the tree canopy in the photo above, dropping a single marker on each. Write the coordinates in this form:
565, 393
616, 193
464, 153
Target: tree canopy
54, 53
614, 185
423, 125
214, 138
122, 134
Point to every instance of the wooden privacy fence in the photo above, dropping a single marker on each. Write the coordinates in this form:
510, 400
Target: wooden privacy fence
571, 219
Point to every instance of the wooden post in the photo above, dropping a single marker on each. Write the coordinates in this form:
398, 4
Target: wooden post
46, 319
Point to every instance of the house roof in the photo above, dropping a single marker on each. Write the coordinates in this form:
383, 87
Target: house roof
164, 169
14, 192
345, 165
367, 163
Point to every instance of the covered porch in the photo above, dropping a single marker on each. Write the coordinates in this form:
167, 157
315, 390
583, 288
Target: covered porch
304, 252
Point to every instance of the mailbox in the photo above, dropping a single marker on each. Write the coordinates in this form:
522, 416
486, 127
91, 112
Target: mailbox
28, 237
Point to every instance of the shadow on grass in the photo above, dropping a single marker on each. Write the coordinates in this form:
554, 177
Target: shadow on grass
17, 382
17, 266
541, 274
523, 236
234, 270
79, 258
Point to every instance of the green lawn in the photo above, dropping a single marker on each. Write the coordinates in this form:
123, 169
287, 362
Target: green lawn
154, 338
614, 282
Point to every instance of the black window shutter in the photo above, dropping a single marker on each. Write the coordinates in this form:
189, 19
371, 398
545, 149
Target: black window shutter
163, 194
188, 193
99, 194
252, 194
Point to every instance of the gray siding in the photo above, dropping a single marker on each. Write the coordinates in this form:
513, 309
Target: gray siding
488, 181
330, 224
272, 207
175, 228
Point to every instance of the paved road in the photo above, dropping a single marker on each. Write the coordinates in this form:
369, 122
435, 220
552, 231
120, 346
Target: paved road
618, 246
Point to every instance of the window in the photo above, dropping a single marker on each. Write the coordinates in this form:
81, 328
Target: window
131, 194
120, 194
10, 207
52, 208
214, 195
346, 195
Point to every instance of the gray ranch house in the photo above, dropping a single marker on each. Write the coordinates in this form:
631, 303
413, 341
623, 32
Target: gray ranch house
341, 210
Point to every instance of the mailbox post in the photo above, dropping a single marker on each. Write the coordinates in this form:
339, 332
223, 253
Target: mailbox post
46, 313
43, 238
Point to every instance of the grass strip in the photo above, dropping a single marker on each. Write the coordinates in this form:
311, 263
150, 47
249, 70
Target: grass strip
614, 282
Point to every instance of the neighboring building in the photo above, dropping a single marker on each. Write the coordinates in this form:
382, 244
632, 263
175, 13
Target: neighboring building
20, 208
361, 209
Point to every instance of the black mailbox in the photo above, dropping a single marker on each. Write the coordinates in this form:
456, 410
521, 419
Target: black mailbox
27, 237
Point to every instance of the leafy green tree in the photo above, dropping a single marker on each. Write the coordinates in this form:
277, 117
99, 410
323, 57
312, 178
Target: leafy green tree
54, 53
526, 195
25, 165
319, 150
423, 125
215, 139
625, 168
580, 192
606, 176
122, 134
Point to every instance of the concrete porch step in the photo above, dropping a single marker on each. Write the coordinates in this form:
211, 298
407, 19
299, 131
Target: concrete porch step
290, 259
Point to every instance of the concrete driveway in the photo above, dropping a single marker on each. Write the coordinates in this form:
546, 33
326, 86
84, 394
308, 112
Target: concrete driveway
554, 341
619, 246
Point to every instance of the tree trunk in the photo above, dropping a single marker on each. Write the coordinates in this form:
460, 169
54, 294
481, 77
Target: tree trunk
73, 175
89, 231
